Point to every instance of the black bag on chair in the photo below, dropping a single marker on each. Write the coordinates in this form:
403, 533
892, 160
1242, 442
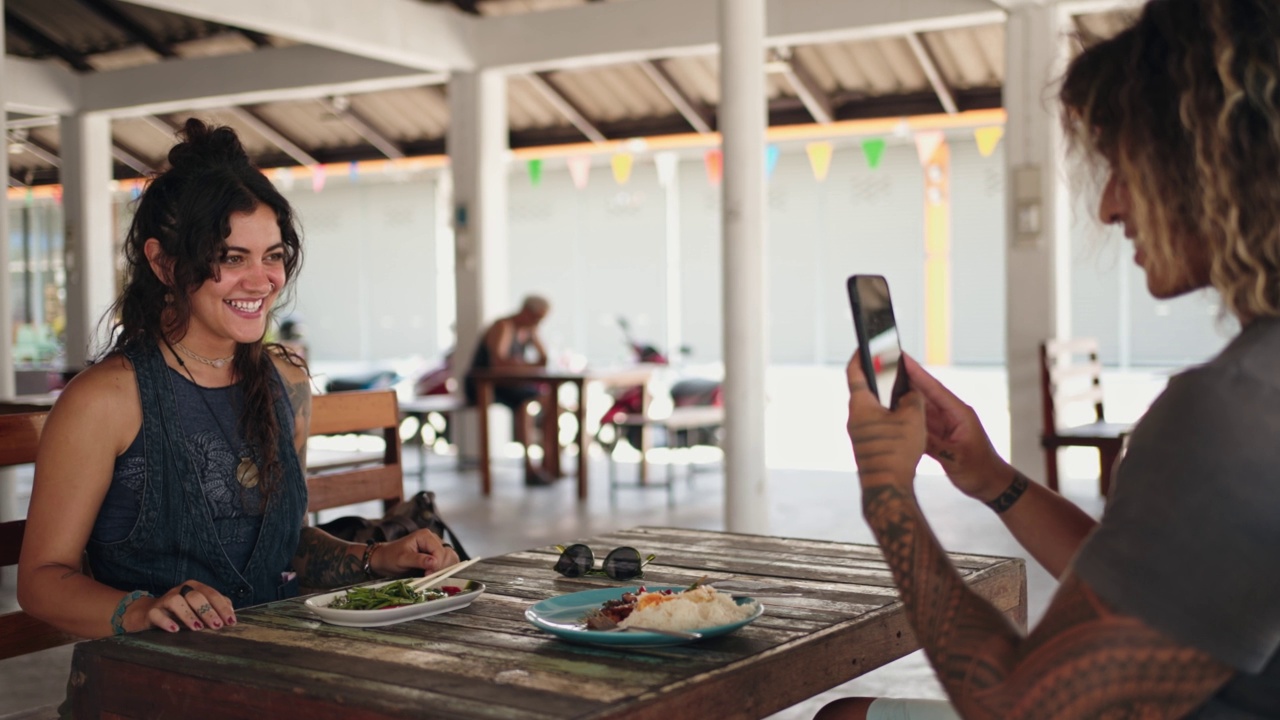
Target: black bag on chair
414, 514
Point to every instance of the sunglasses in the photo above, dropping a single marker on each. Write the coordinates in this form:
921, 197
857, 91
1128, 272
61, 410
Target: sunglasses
622, 563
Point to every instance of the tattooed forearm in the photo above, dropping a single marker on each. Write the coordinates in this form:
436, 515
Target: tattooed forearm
324, 561
1081, 661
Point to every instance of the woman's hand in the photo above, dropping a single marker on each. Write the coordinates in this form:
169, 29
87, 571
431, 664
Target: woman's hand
886, 445
420, 550
192, 605
957, 440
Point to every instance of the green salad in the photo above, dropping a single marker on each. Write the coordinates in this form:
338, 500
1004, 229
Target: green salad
391, 595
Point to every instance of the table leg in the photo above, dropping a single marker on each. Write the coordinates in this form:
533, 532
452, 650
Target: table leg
551, 432
645, 438
484, 396
584, 438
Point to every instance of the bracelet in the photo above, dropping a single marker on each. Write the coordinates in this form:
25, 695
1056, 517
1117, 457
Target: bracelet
117, 617
1006, 499
367, 563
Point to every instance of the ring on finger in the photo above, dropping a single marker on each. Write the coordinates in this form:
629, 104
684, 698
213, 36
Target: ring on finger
185, 589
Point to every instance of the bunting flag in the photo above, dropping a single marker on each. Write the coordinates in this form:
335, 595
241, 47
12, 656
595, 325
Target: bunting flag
771, 154
666, 163
31, 195
317, 178
284, 177
535, 171
988, 138
873, 148
927, 143
57, 194
353, 172
622, 167
714, 160
579, 170
819, 159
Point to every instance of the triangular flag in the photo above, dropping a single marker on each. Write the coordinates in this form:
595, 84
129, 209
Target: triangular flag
988, 138
57, 194
819, 158
666, 163
284, 176
317, 178
874, 150
714, 160
927, 144
31, 195
535, 171
353, 172
579, 170
770, 160
622, 167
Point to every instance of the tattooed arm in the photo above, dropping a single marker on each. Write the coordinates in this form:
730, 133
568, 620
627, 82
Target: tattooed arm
324, 561
1082, 660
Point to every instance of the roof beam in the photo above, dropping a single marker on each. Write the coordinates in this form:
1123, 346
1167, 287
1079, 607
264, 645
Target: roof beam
276, 74
405, 32
114, 16
129, 158
40, 87
36, 37
616, 32
272, 134
341, 108
930, 67
546, 87
666, 84
42, 152
811, 94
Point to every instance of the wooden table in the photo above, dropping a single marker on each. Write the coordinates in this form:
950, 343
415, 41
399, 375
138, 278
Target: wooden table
485, 380
486, 661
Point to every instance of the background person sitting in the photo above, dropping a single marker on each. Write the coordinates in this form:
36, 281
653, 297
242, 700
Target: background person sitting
513, 342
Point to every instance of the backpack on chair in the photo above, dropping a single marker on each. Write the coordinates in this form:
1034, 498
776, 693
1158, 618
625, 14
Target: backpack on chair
416, 513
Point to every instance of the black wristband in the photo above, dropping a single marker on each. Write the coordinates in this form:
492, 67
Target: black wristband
1006, 499
367, 562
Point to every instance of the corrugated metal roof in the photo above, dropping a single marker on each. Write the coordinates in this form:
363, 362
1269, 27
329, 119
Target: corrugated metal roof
881, 76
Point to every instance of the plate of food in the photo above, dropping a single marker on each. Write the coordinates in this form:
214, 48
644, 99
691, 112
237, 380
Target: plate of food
393, 601
629, 616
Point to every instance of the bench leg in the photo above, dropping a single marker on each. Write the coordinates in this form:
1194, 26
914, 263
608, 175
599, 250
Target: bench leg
1107, 456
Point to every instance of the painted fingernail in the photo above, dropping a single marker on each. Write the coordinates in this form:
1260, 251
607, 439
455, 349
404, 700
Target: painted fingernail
216, 624
231, 620
198, 625
173, 628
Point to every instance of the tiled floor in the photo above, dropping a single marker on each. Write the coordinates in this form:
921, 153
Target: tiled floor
812, 493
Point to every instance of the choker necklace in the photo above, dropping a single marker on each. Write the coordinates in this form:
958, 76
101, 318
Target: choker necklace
247, 470
215, 362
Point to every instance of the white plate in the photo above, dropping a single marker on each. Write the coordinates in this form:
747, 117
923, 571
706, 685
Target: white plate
319, 604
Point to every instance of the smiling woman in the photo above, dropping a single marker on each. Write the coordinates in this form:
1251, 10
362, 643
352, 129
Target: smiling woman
175, 463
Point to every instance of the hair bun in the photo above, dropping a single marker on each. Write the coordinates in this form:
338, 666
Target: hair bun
204, 146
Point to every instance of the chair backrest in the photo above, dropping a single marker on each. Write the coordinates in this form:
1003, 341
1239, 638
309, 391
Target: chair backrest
1070, 376
19, 632
362, 478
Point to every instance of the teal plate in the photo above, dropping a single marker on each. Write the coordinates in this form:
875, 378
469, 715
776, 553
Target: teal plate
562, 616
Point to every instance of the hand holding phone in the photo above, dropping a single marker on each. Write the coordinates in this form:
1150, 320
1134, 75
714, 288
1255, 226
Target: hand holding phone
879, 348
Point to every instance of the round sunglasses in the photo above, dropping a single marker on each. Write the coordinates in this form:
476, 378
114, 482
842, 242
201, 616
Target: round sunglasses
622, 563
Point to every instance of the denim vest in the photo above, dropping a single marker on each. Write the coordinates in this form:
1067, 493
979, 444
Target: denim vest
174, 539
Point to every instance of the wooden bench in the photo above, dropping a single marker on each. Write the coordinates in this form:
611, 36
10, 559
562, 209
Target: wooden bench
686, 419
422, 408
20, 633
1071, 375
357, 477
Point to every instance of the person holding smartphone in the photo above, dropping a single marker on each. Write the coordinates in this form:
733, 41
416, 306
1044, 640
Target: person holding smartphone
1170, 605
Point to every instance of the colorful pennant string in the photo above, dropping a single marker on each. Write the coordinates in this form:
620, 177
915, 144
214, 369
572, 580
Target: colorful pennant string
988, 138
622, 163
873, 148
579, 170
534, 166
714, 160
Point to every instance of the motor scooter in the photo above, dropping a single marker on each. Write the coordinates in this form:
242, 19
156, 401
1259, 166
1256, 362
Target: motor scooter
684, 392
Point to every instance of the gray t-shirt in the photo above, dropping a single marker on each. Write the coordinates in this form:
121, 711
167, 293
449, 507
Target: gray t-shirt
1190, 539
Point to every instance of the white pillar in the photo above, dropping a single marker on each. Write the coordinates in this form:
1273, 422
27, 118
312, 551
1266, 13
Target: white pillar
1037, 274
90, 258
668, 164
743, 120
477, 143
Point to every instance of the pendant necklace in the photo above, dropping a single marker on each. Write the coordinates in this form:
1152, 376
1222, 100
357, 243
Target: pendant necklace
247, 471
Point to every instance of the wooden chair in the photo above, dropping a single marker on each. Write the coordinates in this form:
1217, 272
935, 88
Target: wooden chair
19, 632
356, 477
1071, 376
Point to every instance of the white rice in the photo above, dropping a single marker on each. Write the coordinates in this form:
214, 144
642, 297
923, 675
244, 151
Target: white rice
701, 607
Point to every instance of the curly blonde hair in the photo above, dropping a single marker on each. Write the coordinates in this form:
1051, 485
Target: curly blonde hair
1184, 105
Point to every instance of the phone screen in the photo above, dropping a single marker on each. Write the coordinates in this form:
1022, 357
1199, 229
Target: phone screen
879, 348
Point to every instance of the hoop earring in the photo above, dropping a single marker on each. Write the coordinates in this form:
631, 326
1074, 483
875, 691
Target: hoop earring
168, 298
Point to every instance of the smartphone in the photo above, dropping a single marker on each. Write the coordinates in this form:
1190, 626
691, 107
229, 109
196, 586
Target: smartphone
879, 349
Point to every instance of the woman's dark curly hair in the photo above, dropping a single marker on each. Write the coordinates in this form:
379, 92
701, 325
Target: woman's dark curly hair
188, 209
1184, 105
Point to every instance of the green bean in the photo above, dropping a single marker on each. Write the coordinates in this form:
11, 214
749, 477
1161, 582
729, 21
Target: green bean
389, 595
